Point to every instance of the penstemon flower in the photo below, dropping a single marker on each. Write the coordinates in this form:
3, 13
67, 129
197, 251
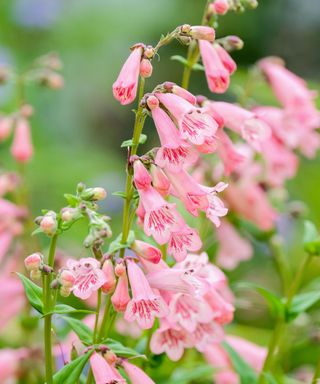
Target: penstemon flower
22, 149
103, 372
135, 374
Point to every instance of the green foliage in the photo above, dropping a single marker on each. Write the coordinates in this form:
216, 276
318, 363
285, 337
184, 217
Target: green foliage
119, 349
129, 143
116, 245
80, 328
302, 302
33, 293
311, 238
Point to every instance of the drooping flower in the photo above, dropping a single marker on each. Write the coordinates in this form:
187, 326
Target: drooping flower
88, 276
201, 32
147, 251
22, 149
136, 374
121, 297
145, 305
5, 127
125, 87
103, 372
179, 91
108, 271
220, 7
159, 180
194, 124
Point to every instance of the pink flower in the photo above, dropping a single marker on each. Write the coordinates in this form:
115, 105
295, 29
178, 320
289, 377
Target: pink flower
103, 372
125, 87
188, 311
135, 374
145, 305
5, 127
194, 124
232, 247
108, 271
226, 59
22, 149
159, 180
220, 7
147, 251
142, 178
218, 76
179, 91
183, 239
10, 364
202, 32
245, 123
230, 157
173, 151
159, 215
88, 276
206, 334
170, 339
121, 297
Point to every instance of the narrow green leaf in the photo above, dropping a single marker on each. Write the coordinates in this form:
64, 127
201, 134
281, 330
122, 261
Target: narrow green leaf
64, 308
71, 372
129, 143
80, 328
311, 238
180, 59
197, 67
120, 194
186, 375
120, 349
36, 231
116, 245
246, 373
302, 302
277, 307
71, 199
33, 292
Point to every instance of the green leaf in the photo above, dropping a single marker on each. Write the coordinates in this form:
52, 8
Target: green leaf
302, 302
197, 67
120, 194
129, 143
120, 349
277, 307
269, 378
186, 375
64, 308
246, 373
36, 231
33, 292
116, 245
71, 372
180, 59
80, 328
71, 199
311, 238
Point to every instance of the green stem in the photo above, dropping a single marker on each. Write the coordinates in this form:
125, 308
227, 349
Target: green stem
316, 376
97, 317
105, 317
47, 303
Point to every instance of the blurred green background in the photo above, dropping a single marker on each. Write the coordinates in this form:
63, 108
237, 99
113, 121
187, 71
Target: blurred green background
77, 131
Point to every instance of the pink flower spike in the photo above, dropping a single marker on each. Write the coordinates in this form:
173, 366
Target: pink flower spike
135, 374
147, 251
159, 215
103, 373
195, 124
121, 297
125, 87
201, 32
173, 151
22, 149
141, 177
226, 59
145, 304
170, 339
218, 77
88, 276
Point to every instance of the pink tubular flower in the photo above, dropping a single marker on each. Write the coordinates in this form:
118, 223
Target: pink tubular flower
145, 305
159, 215
232, 247
170, 339
220, 7
218, 76
206, 334
103, 372
245, 123
125, 87
121, 297
230, 157
5, 127
142, 178
22, 149
135, 374
108, 271
159, 180
147, 251
183, 239
173, 151
88, 276
10, 363
226, 59
202, 32
179, 91
194, 124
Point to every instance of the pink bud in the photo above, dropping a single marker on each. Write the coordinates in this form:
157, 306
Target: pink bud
54, 81
179, 91
232, 42
69, 214
219, 7
5, 127
33, 262
108, 271
145, 68
110, 357
152, 102
99, 193
149, 52
201, 32
121, 298
22, 149
147, 251
26, 111
136, 374
120, 269
49, 223
141, 177
67, 278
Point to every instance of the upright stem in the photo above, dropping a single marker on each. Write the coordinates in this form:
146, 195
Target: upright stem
316, 376
47, 303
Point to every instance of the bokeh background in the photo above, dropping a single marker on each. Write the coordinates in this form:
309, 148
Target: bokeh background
77, 131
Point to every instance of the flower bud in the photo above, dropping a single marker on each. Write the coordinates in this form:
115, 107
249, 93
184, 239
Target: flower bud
21, 148
35, 275
110, 357
141, 177
26, 111
5, 127
159, 180
149, 52
146, 251
152, 102
179, 91
121, 297
231, 43
145, 68
33, 262
201, 32
108, 271
64, 291
120, 269
67, 278
99, 193
69, 214
219, 7
49, 224
53, 80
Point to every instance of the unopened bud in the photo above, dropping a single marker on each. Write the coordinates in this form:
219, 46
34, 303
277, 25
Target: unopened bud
64, 291
201, 32
181, 92
26, 111
149, 52
110, 357
231, 43
219, 7
185, 40
49, 224
145, 68
53, 80
5, 127
69, 214
67, 278
35, 275
108, 271
120, 269
33, 262
152, 102
81, 187
185, 28
99, 193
